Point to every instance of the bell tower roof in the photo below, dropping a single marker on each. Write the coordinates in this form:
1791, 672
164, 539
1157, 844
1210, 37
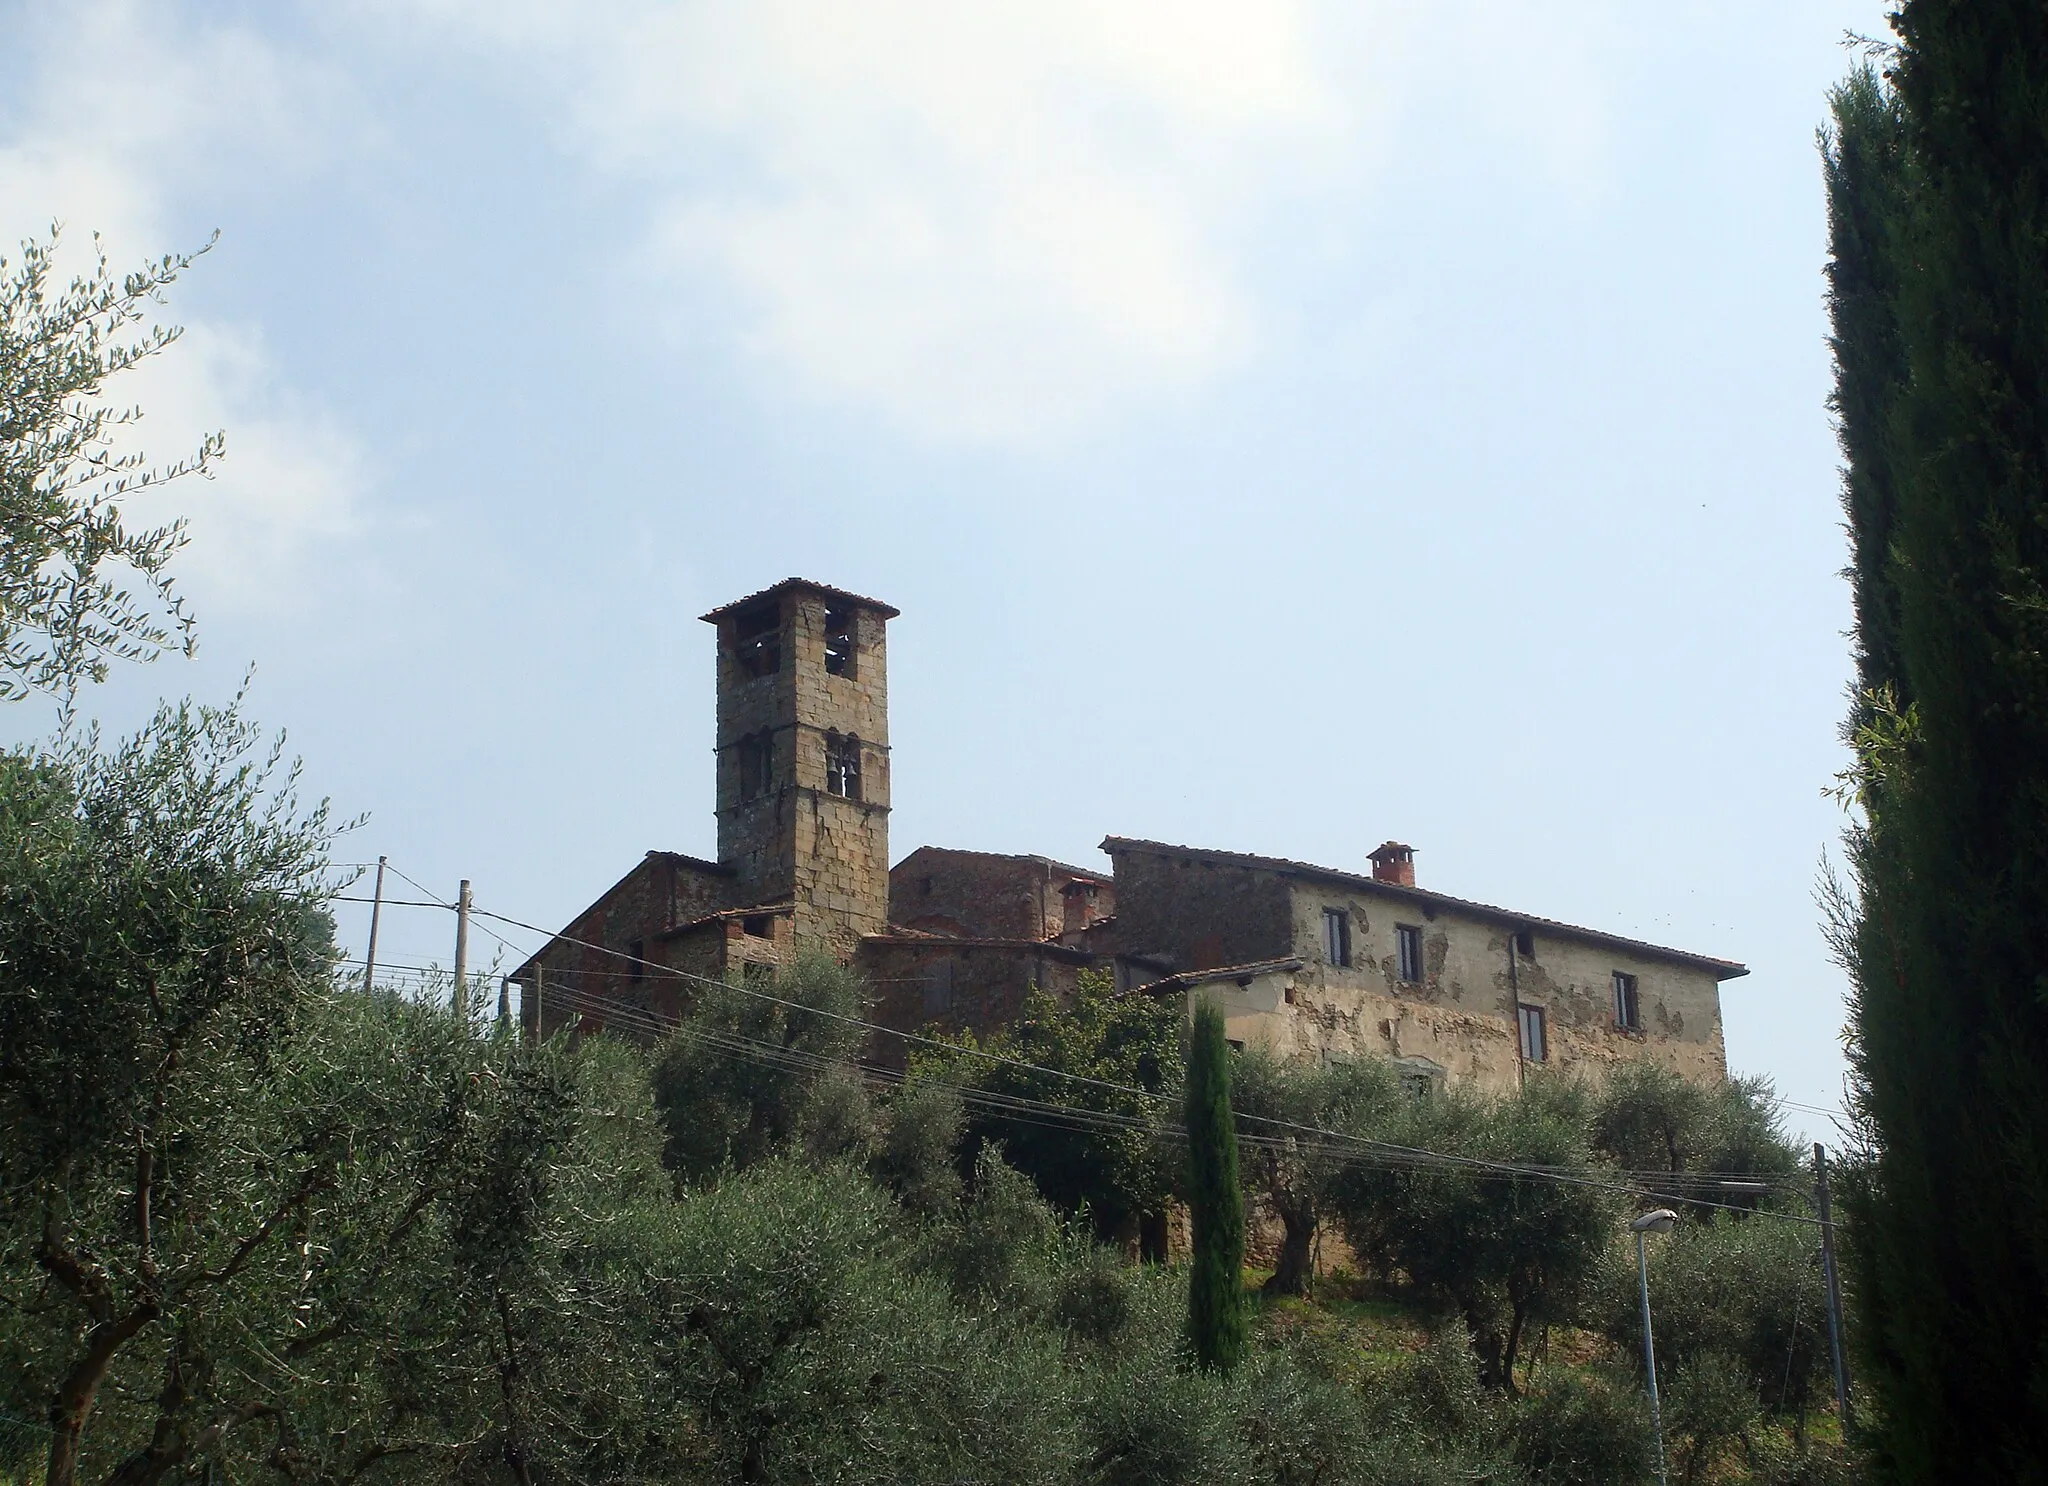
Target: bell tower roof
801, 585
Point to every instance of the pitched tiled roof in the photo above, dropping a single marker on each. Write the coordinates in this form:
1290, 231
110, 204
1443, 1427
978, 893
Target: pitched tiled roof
801, 585
1189, 978
1086, 874
1721, 969
725, 916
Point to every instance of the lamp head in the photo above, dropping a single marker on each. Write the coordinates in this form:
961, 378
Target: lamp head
1662, 1220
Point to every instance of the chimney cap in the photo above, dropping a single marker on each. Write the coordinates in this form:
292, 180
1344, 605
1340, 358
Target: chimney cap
1393, 851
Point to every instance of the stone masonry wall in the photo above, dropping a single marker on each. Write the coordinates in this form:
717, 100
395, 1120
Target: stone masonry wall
579, 981
797, 840
987, 895
1198, 913
927, 985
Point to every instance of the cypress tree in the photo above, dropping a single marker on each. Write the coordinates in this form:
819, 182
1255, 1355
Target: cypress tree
1864, 160
1950, 1019
1215, 1201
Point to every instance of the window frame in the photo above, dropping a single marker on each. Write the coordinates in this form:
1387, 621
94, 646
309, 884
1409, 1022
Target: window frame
1337, 937
1536, 1049
1628, 1001
1409, 961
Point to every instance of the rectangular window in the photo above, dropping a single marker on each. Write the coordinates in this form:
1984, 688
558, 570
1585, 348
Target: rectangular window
839, 646
638, 950
1525, 944
1336, 936
1534, 1047
1408, 938
758, 926
842, 765
1628, 1005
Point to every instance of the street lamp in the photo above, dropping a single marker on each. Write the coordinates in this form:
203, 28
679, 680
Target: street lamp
1660, 1221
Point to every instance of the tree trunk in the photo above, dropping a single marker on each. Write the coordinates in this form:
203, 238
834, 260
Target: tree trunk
1294, 1269
81, 1387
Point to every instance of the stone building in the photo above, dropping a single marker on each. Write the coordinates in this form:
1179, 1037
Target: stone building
1318, 962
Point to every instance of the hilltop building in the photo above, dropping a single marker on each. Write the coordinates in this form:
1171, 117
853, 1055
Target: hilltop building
1318, 962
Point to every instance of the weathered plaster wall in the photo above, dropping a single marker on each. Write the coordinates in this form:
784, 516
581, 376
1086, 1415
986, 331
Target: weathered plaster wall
1461, 1015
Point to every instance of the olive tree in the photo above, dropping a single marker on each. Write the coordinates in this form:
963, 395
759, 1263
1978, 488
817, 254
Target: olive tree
79, 586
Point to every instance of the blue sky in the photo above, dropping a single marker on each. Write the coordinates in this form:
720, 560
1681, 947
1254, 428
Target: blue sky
1283, 427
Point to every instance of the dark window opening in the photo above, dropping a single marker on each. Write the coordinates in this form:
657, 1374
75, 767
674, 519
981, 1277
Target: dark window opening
1336, 936
842, 765
924, 886
1417, 1083
839, 644
638, 950
1525, 944
1628, 1004
758, 926
938, 990
1236, 1044
1408, 939
757, 764
757, 639
756, 970
1535, 1047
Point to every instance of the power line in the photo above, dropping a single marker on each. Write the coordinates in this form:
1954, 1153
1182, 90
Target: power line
1341, 1145
1334, 1139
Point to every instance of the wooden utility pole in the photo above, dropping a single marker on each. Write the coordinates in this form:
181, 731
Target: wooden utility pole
462, 951
1827, 1262
376, 909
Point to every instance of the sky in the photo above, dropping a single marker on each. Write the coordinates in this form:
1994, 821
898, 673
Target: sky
1284, 427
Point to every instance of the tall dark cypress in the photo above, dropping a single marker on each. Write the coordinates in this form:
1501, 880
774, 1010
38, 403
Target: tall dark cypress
1950, 1021
1215, 1201
1864, 158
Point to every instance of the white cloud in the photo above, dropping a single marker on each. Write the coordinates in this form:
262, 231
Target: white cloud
284, 494
189, 104
993, 222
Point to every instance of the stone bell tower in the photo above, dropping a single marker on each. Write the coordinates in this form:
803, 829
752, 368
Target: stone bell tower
803, 757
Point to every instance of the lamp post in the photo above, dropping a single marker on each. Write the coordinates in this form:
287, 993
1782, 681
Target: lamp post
1659, 1221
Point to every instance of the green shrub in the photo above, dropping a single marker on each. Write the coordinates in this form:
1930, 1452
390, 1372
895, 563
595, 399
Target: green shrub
1578, 1431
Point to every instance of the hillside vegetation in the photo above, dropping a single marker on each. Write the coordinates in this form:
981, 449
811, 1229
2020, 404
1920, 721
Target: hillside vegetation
255, 1225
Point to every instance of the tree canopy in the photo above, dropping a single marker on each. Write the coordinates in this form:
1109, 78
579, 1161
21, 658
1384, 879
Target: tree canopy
80, 586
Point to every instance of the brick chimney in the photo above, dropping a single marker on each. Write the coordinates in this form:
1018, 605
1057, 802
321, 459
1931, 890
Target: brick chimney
1394, 863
